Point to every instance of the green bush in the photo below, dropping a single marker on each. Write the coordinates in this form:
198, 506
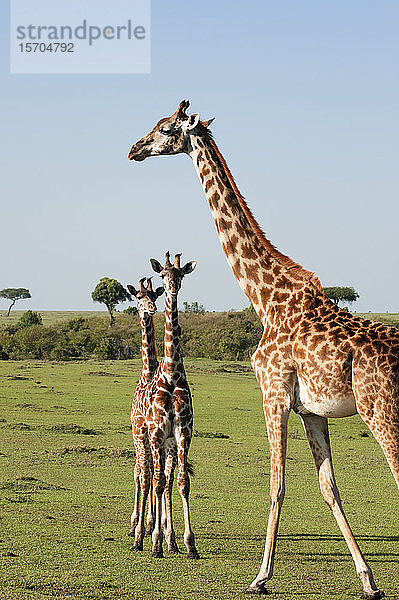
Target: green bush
131, 310
108, 348
29, 318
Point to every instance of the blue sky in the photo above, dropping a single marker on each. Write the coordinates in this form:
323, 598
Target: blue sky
305, 98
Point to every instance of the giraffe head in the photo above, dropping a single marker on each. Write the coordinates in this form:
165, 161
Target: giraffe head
146, 296
172, 275
170, 135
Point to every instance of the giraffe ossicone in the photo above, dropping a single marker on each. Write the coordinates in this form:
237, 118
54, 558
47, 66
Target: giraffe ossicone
313, 358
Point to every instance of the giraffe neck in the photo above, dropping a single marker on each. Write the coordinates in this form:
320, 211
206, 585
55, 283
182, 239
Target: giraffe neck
172, 356
258, 266
148, 347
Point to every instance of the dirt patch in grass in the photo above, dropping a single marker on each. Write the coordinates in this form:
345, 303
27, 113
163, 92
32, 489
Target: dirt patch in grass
20, 426
219, 368
71, 428
211, 434
103, 374
23, 488
100, 452
66, 428
29, 485
68, 410
122, 428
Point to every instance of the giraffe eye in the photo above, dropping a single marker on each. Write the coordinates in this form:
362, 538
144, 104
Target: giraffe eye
165, 130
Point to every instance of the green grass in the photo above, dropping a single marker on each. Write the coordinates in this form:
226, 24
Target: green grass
388, 318
67, 492
49, 316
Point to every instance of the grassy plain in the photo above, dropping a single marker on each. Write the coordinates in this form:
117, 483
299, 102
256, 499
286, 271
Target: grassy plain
49, 316
67, 490
53, 316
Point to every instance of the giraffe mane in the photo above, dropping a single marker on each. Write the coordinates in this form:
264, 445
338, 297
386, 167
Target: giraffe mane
284, 260
155, 338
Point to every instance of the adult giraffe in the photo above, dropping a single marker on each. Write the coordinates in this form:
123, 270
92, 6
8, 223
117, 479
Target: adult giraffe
313, 357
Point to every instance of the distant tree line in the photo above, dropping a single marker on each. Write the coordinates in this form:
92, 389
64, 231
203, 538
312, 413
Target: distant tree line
220, 336
229, 335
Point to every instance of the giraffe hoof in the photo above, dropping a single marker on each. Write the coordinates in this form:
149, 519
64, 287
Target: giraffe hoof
149, 529
260, 590
193, 554
137, 547
157, 553
173, 550
374, 595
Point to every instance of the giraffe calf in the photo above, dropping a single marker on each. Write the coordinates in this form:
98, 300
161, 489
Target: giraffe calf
146, 298
163, 420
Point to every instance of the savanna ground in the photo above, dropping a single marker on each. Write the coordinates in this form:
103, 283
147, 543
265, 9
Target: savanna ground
67, 490
49, 316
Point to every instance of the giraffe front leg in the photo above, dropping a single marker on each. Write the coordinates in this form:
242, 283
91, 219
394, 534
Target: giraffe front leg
183, 484
139, 531
276, 414
167, 519
135, 514
159, 488
317, 432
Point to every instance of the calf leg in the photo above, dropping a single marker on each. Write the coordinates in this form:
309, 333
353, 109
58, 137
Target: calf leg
135, 514
158, 455
183, 485
167, 519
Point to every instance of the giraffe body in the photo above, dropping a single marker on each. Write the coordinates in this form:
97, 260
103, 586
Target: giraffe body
313, 358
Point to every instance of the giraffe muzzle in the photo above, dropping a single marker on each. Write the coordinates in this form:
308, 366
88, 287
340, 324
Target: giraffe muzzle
138, 153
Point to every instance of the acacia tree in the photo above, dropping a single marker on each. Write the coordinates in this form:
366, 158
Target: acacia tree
194, 307
341, 294
110, 292
14, 294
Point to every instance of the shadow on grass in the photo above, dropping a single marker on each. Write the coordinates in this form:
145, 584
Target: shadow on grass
385, 557
303, 537
337, 538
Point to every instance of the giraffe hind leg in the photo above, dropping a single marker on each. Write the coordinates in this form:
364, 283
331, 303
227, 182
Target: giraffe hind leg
317, 432
377, 403
151, 511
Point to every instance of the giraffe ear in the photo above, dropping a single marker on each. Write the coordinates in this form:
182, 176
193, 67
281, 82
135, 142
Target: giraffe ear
156, 265
159, 291
132, 290
188, 267
207, 123
193, 121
